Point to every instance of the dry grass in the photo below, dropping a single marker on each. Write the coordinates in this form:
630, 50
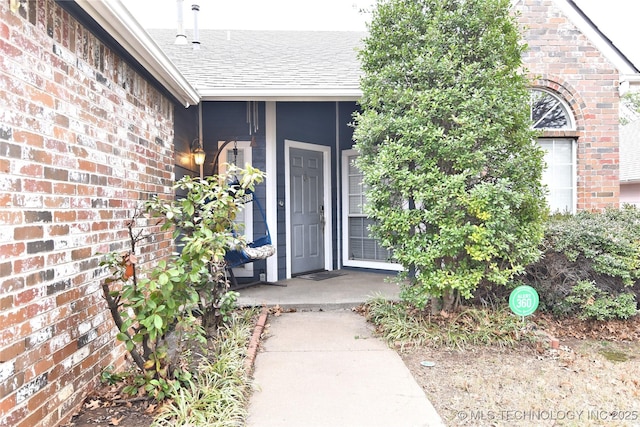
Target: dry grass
491, 369
573, 386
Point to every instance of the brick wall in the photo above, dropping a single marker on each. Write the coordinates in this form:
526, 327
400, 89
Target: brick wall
83, 138
562, 59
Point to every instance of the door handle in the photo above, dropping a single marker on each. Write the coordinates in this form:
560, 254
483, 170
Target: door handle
322, 220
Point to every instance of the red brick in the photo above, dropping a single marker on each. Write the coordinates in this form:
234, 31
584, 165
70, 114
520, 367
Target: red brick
65, 216
28, 232
28, 264
16, 416
11, 351
64, 188
58, 230
11, 250
57, 159
7, 403
33, 418
6, 302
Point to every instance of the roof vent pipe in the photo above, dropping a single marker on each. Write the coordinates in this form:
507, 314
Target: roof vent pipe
181, 37
196, 34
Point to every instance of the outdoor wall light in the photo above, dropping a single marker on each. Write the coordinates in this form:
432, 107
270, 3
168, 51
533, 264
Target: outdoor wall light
198, 156
198, 153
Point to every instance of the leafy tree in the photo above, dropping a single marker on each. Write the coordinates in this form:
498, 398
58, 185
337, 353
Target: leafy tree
631, 107
451, 169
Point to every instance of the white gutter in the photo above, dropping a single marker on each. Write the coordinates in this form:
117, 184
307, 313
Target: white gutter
116, 20
281, 94
629, 82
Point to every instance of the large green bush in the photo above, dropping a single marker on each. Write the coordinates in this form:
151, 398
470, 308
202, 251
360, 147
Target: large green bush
451, 169
590, 262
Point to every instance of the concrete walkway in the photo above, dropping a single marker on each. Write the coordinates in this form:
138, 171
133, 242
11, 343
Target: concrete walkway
325, 369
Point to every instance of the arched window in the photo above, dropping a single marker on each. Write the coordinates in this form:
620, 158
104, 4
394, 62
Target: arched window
550, 113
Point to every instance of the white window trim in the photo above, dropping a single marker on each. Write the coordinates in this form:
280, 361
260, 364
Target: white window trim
346, 261
245, 270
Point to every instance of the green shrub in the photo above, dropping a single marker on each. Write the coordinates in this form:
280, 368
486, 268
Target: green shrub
149, 304
595, 304
602, 249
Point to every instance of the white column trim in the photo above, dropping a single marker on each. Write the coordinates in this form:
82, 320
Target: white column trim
271, 182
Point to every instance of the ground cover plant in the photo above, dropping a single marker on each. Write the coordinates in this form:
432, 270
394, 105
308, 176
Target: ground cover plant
216, 395
451, 170
404, 325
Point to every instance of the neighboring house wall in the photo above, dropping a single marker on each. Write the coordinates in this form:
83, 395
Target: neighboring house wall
630, 193
561, 59
83, 139
630, 163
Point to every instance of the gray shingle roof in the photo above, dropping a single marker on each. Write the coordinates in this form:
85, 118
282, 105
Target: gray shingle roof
246, 61
630, 152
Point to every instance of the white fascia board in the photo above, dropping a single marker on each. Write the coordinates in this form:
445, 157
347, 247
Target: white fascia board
281, 94
116, 19
603, 45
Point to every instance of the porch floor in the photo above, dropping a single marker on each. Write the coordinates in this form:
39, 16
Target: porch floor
347, 289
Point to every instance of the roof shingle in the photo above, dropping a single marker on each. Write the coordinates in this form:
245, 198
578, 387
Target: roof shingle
244, 60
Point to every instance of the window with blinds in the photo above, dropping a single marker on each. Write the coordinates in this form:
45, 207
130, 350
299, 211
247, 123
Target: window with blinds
359, 247
559, 175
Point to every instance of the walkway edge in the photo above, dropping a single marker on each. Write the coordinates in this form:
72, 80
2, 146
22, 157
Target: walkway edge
254, 341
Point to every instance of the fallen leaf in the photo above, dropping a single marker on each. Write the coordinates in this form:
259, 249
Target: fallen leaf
116, 421
93, 404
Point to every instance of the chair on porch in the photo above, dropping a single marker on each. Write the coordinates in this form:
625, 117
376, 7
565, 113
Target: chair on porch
261, 248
